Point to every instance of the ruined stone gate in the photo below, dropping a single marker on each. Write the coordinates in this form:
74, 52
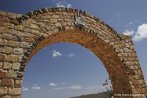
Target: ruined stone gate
22, 36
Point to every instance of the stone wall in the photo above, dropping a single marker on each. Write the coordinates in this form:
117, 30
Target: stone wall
22, 36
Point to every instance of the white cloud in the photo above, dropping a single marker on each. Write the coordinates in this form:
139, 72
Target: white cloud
71, 55
75, 87
56, 54
25, 89
140, 34
129, 32
36, 87
52, 84
63, 4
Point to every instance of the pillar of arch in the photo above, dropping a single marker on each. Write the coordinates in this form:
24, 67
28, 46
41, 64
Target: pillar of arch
22, 36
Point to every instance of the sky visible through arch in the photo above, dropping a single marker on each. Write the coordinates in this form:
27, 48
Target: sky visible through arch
63, 70
125, 16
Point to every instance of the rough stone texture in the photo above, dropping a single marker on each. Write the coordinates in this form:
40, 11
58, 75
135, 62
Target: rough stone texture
22, 36
7, 82
2, 74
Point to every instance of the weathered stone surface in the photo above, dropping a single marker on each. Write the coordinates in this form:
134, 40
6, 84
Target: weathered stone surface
3, 74
2, 57
13, 58
3, 90
3, 42
12, 74
8, 36
18, 83
1, 65
16, 96
7, 82
13, 43
16, 66
18, 50
24, 45
7, 49
19, 27
7, 65
7, 96
34, 26
15, 91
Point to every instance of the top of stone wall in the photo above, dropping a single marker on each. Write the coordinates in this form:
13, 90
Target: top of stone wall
9, 14
61, 9
19, 18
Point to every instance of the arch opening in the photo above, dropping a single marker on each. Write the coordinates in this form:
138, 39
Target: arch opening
100, 48
68, 70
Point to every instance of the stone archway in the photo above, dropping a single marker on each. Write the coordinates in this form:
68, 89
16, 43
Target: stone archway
22, 36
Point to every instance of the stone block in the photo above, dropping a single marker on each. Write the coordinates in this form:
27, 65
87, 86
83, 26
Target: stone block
3, 90
53, 20
7, 65
16, 96
12, 74
13, 58
18, 83
1, 65
55, 16
19, 27
18, 50
141, 81
7, 36
3, 74
15, 91
7, 49
33, 26
3, 42
24, 45
2, 57
7, 96
16, 66
13, 43
7, 82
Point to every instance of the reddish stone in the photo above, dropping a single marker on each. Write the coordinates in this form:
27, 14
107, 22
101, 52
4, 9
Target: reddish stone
4, 19
2, 74
2, 57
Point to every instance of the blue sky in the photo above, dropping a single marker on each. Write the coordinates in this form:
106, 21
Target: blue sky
70, 69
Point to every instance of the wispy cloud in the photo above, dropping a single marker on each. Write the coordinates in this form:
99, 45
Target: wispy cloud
25, 89
63, 83
36, 87
63, 4
75, 87
71, 55
72, 87
56, 54
138, 35
53, 84
58, 88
